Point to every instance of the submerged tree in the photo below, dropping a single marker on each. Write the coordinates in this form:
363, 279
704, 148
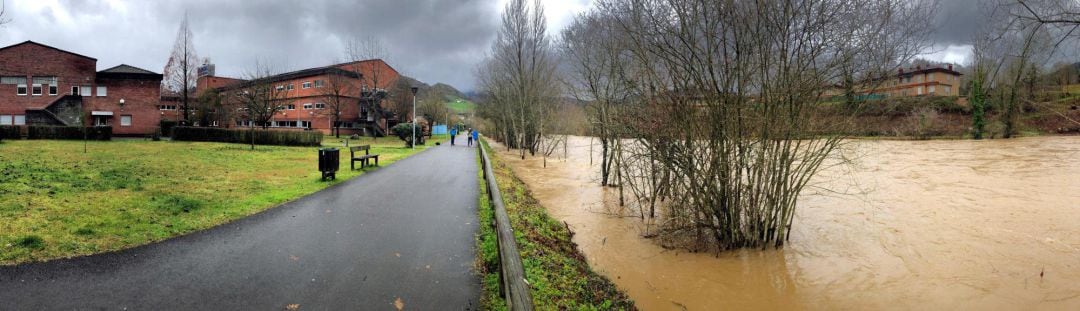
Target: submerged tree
181, 71
719, 100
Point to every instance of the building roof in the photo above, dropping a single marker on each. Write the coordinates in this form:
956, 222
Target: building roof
46, 46
124, 68
310, 72
919, 70
124, 71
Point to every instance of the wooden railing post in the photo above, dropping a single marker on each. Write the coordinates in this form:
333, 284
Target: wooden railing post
511, 271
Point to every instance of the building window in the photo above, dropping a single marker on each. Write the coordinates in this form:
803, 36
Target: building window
5, 120
319, 83
20, 120
20, 90
52, 90
75, 90
167, 107
931, 90
306, 85
289, 87
84, 91
35, 90
290, 107
320, 105
948, 90
280, 88
125, 120
307, 106
12, 80
102, 91
305, 124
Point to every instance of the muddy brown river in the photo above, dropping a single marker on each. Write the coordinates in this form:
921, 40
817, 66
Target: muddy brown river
989, 224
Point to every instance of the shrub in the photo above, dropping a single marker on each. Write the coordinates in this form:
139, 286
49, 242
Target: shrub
405, 132
10, 132
68, 132
243, 136
166, 127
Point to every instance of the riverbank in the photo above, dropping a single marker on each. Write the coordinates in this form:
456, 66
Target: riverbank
58, 202
557, 272
964, 224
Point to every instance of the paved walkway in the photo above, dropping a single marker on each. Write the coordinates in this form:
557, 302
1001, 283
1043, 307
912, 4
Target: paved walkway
361, 245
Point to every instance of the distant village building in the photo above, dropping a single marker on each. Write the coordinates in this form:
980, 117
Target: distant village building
306, 96
43, 85
917, 81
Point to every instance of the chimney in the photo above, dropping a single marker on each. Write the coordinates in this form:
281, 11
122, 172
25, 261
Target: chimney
950, 67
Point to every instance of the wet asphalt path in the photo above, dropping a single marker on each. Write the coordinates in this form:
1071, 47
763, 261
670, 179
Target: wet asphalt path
360, 245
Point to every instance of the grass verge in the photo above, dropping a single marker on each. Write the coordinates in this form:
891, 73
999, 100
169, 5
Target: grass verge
56, 201
558, 273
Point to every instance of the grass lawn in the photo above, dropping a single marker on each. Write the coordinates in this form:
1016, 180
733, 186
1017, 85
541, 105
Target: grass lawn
459, 105
56, 201
557, 271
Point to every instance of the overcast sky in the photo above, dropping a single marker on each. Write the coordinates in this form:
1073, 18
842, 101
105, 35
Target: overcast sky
431, 40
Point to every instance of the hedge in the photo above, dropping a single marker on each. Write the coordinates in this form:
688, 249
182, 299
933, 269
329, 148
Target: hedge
68, 132
242, 136
10, 132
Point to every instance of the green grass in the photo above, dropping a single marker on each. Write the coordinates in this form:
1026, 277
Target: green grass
459, 105
558, 273
56, 201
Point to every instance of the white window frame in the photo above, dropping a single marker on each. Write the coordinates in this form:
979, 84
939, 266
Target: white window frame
931, 89
102, 91
320, 106
280, 88
125, 117
6, 119
306, 85
75, 90
35, 89
85, 91
319, 83
290, 107
289, 87
19, 119
53, 89
308, 106
22, 88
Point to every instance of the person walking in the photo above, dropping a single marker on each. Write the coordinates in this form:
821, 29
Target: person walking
470, 136
453, 134
475, 136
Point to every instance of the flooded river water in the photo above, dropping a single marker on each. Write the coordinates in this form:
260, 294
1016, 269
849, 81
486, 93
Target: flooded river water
920, 224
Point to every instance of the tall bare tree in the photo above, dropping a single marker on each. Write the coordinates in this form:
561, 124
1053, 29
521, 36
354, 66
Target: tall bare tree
181, 71
519, 76
3, 9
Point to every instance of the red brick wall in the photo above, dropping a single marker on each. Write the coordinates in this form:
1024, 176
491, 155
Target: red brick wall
31, 59
141, 99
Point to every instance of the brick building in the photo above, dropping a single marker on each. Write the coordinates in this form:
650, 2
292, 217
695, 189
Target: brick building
43, 85
307, 97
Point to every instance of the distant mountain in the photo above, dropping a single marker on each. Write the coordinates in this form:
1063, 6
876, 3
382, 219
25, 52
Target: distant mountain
447, 91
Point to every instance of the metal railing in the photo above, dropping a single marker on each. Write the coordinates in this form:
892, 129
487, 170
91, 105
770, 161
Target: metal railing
511, 272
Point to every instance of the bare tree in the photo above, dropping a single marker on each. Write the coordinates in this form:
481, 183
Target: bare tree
717, 101
3, 9
181, 71
362, 53
338, 93
258, 99
519, 77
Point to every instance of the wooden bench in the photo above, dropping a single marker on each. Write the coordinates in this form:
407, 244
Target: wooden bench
364, 158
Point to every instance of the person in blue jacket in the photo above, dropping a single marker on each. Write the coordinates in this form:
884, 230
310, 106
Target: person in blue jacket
476, 137
453, 134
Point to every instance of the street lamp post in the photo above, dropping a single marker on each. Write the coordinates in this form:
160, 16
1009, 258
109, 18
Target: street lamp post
414, 89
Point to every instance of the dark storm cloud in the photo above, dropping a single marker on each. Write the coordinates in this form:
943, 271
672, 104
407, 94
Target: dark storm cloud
958, 21
432, 40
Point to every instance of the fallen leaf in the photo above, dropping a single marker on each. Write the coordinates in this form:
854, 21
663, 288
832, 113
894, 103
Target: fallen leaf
293, 307
429, 267
399, 304
294, 258
397, 254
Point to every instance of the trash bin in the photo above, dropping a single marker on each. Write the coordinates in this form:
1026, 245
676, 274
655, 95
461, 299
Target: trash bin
329, 159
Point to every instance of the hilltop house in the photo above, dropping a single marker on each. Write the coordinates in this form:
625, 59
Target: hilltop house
43, 85
917, 81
